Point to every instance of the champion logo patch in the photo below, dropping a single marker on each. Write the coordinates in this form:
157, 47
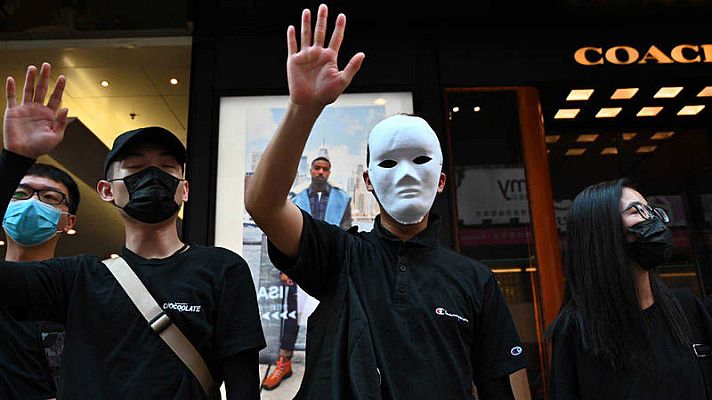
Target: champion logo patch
445, 313
516, 350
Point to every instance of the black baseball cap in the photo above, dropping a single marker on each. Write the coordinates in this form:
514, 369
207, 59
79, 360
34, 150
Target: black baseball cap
150, 134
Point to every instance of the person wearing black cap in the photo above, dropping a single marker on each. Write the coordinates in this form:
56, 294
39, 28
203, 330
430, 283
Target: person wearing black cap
323, 202
111, 351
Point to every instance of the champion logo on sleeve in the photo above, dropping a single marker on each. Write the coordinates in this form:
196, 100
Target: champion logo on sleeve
445, 313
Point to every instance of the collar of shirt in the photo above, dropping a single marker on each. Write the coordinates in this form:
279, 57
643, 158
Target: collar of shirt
428, 237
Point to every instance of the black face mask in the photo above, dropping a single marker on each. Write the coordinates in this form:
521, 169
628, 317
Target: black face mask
653, 245
151, 195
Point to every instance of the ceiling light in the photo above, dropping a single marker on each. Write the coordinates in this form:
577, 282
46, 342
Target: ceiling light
71, 232
690, 110
622, 94
706, 92
668, 92
104, 83
629, 136
567, 113
477, 109
174, 81
455, 109
114, 255
579, 94
552, 138
649, 111
575, 151
646, 149
608, 112
587, 138
662, 135
609, 150
379, 101
2, 243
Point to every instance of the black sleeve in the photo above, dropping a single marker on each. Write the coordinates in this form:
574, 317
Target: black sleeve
496, 389
13, 168
49, 284
319, 262
564, 382
242, 376
238, 327
496, 348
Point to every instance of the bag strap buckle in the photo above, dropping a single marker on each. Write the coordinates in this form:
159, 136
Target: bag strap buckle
160, 322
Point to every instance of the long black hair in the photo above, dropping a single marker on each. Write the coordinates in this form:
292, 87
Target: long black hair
601, 300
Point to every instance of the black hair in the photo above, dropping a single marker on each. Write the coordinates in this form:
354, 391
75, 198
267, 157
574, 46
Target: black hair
57, 175
601, 302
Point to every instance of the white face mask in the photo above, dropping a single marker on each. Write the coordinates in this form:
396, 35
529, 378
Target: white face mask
404, 167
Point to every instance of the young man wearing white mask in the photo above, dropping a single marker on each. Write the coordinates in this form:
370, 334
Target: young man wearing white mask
43, 207
400, 316
112, 351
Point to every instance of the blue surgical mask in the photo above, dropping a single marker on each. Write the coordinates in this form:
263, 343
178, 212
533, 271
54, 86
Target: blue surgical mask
30, 222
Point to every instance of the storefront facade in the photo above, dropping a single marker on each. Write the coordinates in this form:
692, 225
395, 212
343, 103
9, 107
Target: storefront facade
492, 93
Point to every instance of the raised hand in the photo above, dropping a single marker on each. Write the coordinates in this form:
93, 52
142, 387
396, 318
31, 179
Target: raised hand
32, 128
313, 73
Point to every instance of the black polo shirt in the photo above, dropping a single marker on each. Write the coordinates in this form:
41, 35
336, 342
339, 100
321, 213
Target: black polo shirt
398, 319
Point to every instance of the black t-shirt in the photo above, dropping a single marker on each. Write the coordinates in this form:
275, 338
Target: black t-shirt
576, 374
437, 320
111, 353
24, 369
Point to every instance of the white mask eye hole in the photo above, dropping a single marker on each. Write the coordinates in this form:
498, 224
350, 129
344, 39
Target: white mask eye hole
387, 164
421, 160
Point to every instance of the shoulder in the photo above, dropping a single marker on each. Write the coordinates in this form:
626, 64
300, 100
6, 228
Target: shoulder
339, 190
565, 327
217, 255
75, 261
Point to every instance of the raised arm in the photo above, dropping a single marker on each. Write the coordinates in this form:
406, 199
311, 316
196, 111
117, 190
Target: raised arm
30, 129
314, 82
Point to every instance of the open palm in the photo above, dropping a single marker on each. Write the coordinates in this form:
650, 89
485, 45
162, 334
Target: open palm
313, 72
32, 128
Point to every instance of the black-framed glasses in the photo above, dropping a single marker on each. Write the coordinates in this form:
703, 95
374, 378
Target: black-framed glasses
649, 213
47, 196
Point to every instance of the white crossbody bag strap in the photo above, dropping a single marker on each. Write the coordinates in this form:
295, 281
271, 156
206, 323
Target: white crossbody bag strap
159, 321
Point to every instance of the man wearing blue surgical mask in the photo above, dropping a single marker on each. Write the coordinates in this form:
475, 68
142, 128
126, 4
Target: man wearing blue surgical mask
203, 327
43, 207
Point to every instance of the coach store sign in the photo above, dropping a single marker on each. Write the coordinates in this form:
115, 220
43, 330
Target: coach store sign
627, 55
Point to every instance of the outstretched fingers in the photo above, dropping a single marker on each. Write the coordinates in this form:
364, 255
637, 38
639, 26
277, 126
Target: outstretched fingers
29, 88
352, 67
10, 92
60, 121
43, 84
320, 28
56, 98
338, 35
306, 28
291, 41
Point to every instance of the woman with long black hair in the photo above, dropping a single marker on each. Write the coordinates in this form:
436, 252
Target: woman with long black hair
621, 333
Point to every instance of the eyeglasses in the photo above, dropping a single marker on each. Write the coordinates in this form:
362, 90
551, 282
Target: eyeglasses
649, 213
47, 196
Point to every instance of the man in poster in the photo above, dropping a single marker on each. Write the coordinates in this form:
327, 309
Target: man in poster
323, 202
